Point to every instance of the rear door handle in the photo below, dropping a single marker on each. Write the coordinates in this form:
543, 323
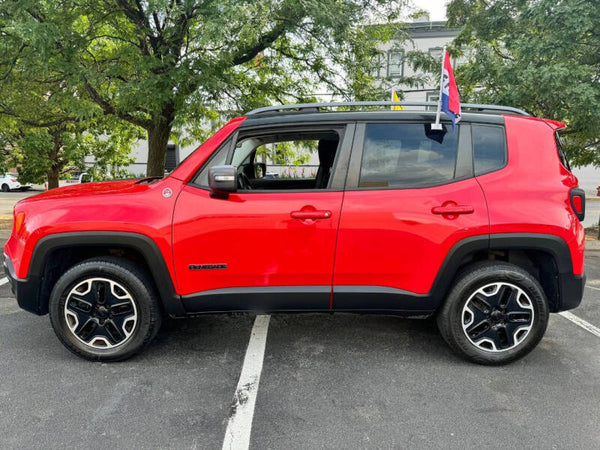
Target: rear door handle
303, 215
453, 209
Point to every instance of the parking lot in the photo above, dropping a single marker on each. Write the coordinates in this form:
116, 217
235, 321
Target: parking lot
327, 381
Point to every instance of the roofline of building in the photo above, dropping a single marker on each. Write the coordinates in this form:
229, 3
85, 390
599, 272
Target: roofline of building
429, 29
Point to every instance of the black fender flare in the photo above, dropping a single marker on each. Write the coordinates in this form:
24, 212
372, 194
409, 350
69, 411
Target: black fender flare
143, 244
554, 245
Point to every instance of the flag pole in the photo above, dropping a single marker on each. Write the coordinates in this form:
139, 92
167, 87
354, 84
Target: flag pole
437, 125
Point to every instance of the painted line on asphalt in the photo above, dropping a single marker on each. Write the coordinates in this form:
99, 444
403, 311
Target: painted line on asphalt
241, 413
582, 323
592, 287
3, 281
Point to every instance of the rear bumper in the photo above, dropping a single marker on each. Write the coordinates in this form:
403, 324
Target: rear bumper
26, 291
571, 290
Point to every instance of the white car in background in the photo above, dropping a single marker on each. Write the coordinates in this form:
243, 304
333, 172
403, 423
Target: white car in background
8, 182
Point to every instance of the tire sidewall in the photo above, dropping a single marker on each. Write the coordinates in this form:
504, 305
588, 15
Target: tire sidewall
468, 285
129, 281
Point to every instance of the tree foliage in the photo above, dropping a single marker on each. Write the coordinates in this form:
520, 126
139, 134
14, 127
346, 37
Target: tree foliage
539, 55
46, 127
172, 66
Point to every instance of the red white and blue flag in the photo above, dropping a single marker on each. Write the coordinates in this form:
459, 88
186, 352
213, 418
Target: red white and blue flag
450, 97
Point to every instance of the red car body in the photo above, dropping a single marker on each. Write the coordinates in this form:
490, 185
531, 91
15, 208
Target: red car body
394, 241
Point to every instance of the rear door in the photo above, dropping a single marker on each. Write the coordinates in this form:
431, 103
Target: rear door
410, 197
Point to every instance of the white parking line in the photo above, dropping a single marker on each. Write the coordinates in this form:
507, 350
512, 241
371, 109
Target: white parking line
3, 281
239, 426
592, 287
582, 323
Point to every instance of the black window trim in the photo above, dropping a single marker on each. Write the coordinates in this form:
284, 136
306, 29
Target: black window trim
463, 163
345, 130
506, 155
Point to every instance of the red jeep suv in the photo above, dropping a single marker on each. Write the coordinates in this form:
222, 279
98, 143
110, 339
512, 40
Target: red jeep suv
321, 209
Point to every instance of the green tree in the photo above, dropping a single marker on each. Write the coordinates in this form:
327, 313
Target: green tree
160, 64
46, 126
50, 153
539, 55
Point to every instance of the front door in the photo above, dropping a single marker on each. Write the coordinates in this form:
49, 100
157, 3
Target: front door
271, 244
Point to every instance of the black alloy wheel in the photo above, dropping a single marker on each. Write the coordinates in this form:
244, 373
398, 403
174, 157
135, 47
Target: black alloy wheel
105, 309
100, 313
495, 313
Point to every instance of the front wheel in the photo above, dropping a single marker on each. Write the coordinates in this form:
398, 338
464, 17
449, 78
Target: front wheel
105, 309
496, 313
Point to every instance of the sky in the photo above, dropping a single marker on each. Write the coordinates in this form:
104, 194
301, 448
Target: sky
436, 8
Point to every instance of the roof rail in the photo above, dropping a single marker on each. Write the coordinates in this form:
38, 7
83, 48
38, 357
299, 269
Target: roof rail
316, 107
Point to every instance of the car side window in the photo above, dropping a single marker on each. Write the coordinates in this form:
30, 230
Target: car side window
489, 148
407, 155
286, 160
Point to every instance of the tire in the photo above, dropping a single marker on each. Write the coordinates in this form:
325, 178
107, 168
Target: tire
495, 313
105, 309
5, 188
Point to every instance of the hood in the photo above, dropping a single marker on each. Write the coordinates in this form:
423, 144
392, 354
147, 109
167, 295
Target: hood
89, 189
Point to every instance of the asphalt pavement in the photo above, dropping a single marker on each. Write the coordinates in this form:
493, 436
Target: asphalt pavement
332, 381
328, 381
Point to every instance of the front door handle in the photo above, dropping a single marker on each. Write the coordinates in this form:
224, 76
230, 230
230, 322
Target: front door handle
304, 215
453, 209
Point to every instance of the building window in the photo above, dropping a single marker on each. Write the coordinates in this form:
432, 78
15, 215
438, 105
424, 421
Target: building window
171, 159
436, 53
395, 63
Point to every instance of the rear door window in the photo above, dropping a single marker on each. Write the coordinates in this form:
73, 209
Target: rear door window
407, 155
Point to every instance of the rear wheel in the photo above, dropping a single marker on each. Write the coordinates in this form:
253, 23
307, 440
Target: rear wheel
5, 187
105, 309
496, 312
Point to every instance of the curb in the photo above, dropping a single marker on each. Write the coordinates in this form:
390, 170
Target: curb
592, 245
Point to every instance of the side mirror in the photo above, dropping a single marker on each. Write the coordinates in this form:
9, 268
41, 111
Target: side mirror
222, 180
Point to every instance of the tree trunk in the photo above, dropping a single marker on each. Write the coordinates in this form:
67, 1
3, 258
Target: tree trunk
158, 139
53, 176
54, 170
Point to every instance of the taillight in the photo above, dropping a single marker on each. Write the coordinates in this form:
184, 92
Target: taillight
578, 202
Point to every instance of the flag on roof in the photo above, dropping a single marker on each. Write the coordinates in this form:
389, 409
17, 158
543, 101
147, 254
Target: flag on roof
450, 97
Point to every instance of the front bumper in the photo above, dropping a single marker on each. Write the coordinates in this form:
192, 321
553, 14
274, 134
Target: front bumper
571, 290
26, 291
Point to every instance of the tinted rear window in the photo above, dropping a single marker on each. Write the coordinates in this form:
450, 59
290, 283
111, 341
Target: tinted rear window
489, 148
408, 155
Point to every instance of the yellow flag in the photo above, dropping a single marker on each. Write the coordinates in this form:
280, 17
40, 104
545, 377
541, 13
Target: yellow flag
396, 99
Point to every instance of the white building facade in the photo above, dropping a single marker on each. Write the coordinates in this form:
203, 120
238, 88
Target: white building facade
430, 37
